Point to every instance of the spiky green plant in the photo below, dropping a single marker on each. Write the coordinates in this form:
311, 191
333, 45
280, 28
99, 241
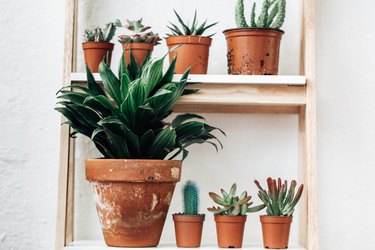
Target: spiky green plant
101, 34
193, 30
191, 198
141, 33
272, 15
232, 204
125, 118
279, 200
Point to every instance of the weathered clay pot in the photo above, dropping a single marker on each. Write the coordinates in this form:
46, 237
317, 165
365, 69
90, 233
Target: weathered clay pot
139, 50
132, 198
230, 230
188, 229
276, 231
253, 51
95, 52
193, 53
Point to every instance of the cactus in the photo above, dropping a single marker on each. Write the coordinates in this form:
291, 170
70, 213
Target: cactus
101, 34
279, 200
141, 33
191, 200
272, 15
233, 205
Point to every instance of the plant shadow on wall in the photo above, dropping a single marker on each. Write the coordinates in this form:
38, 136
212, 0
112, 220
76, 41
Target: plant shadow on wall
125, 118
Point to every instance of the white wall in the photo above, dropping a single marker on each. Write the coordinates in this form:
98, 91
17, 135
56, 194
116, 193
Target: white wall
31, 72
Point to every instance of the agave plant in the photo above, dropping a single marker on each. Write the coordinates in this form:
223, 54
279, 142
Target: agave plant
279, 200
232, 204
101, 34
125, 118
193, 30
141, 33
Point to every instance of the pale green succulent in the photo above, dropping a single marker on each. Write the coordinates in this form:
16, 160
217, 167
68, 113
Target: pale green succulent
141, 33
101, 34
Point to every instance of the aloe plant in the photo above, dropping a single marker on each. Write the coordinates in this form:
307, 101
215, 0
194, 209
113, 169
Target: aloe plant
193, 30
272, 15
125, 118
191, 198
141, 33
279, 200
232, 205
101, 34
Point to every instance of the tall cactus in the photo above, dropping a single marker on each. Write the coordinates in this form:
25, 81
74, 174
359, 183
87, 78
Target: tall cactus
191, 200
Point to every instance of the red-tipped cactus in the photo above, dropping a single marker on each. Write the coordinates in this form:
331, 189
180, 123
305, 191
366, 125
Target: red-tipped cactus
279, 200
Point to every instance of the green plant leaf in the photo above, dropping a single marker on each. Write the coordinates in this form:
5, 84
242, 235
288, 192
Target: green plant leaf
110, 82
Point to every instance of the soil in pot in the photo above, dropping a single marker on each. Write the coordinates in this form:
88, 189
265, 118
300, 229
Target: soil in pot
95, 52
188, 229
253, 51
276, 231
230, 230
193, 53
132, 198
139, 50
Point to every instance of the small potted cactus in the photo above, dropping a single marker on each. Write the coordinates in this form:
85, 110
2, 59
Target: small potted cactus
97, 45
195, 49
189, 224
280, 204
140, 44
230, 218
253, 49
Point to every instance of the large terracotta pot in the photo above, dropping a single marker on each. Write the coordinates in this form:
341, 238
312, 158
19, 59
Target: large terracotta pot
230, 230
193, 53
188, 229
132, 198
276, 231
139, 50
95, 52
253, 51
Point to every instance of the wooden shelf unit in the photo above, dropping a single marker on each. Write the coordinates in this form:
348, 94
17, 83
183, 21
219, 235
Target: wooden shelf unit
219, 94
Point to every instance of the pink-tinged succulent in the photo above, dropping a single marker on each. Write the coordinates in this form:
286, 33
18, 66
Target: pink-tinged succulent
141, 33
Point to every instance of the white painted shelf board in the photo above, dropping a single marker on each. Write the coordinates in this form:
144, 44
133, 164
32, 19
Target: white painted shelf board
223, 79
100, 245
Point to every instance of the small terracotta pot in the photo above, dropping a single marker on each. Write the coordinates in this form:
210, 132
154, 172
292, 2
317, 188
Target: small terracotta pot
230, 230
140, 51
253, 51
188, 229
276, 231
95, 52
132, 198
193, 52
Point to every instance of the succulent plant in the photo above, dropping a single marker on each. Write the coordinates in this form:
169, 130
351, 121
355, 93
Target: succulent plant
193, 30
279, 200
272, 15
141, 33
125, 118
101, 34
232, 204
191, 198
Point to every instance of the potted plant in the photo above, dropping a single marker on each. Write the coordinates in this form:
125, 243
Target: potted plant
141, 43
230, 218
194, 52
280, 204
97, 45
253, 49
189, 224
134, 182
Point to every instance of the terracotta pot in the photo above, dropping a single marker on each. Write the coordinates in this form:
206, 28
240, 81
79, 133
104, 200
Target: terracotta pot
188, 229
132, 198
193, 52
140, 50
276, 231
95, 52
253, 51
230, 230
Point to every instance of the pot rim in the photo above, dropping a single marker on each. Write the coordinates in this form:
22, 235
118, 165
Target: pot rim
254, 29
97, 45
200, 40
188, 218
230, 218
138, 46
276, 219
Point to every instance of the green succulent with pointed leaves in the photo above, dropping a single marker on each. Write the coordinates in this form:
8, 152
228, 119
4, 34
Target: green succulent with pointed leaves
232, 205
194, 30
101, 34
125, 117
279, 200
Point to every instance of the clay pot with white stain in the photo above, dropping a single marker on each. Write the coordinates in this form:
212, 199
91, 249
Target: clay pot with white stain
132, 198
